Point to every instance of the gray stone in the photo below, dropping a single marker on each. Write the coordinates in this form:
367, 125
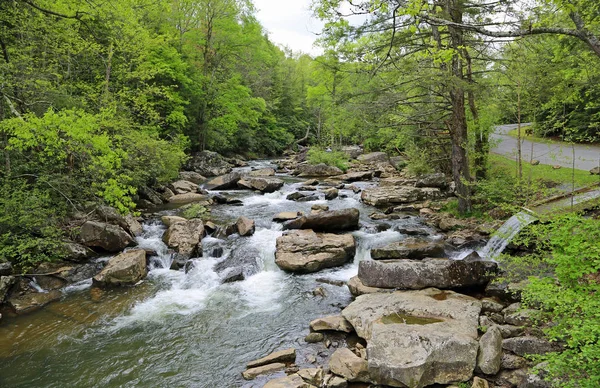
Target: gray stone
297, 196
345, 363
313, 376
353, 152
253, 373
392, 195
332, 323
332, 381
440, 273
149, 195
245, 226
357, 288
331, 193
282, 356
511, 361
305, 251
355, 176
223, 182
111, 238
309, 170
491, 305
595, 171
432, 180
184, 238
192, 176
208, 163
264, 185
417, 338
522, 346
189, 198
489, 357
170, 220
183, 187
374, 157
524, 317
409, 248
312, 338
128, 268
327, 221
511, 378
76, 252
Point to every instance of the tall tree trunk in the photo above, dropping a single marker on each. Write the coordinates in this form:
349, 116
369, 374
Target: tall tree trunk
482, 148
458, 120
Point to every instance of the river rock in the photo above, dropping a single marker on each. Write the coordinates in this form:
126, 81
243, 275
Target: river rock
328, 221
409, 248
223, 182
353, 152
331, 193
297, 196
127, 268
305, 251
345, 363
111, 238
6, 282
332, 323
189, 198
313, 376
312, 338
355, 176
491, 305
480, 383
357, 288
253, 373
411, 274
264, 185
28, 302
309, 170
392, 195
291, 381
374, 157
511, 361
522, 346
432, 180
75, 252
283, 356
524, 317
241, 263
263, 172
170, 220
192, 176
184, 237
183, 187
417, 338
245, 226
318, 208
333, 381
208, 163
489, 357
111, 215
287, 216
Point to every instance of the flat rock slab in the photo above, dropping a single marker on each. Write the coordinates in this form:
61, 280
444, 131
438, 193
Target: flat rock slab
357, 288
264, 185
333, 323
291, 381
223, 182
418, 274
282, 356
417, 338
393, 195
188, 198
253, 373
33, 301
409, 248
327, 221
355, 176
305, 251
286, 216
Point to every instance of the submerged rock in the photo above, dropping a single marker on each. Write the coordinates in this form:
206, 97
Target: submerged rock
305, 251
127, 268
409, 248
417, 338
439, 273
111, 238
28, 302
327, 221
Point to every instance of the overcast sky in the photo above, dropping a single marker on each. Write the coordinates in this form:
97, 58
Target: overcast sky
289, 23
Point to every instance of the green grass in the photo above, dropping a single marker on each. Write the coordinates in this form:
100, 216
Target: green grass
332, 158
542, 172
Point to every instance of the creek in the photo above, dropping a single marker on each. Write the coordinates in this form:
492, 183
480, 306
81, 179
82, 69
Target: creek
189, 330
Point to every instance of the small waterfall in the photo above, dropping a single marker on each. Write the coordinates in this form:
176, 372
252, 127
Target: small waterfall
505, 234
33, 283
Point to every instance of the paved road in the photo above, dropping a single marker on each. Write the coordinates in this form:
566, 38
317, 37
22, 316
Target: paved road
586, 157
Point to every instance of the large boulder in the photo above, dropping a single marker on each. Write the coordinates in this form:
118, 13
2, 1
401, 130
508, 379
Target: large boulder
192, 176
409, 248
111, 238
317, 170
432, 180
76, 252
184, 238
374, 157
418, 274
263, 172
31, 301
357, 288
355, 176
183, 187
208, 163
305, 251
327, 221
264, 185
417, 338
245, 226
224, 182
125, 269
522, 346
345, 363
393, 195
190, 198
489, 358
332, 323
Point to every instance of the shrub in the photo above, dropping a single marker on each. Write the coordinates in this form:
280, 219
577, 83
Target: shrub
332, 158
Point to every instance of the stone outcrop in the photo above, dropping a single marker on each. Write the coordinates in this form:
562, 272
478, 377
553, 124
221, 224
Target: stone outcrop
264, 185
327, 221
395, 195
305, 251
192, 176
345, 363
208, 164
409, 248
111, 238
417, 338
184, 237
128, 268
439, 273
224, 182
310, 170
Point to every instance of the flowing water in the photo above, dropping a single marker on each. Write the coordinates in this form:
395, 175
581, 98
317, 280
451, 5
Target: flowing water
187, 330
505, 234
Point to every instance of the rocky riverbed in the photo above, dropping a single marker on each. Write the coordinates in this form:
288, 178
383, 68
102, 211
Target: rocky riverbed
351, 279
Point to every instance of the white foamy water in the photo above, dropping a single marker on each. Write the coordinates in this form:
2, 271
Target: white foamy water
505, 234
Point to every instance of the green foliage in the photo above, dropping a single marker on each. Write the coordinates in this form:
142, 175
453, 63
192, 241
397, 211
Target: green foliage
331, 158
568, 260
195, 211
